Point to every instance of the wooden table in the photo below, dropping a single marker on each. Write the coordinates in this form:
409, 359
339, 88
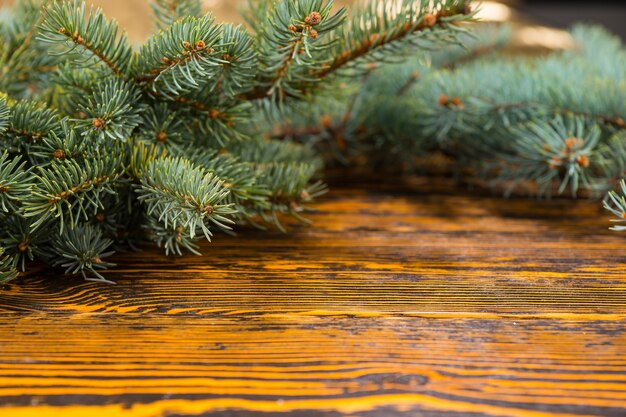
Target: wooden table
414, 299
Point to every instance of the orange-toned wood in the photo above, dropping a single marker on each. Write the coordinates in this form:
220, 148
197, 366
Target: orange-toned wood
414, 299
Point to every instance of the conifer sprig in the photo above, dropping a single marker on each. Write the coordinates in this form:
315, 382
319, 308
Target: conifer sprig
167, 12
180, 194
71, 192
8, 271
105, 146
16, 183
177, 59
88, 34
82, 250
553, 124
369, 38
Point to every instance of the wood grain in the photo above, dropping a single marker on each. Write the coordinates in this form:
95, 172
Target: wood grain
404, 299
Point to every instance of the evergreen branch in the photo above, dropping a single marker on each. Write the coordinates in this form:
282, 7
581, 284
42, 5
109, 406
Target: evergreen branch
255, 13
563, 149
368, 33
16, 183
21, 29
111, 111
22, 243
164, 127
175, 240
31, 122
71, 190
82, 250
290, 183
162, 142
239, 62
68, 23
247, 195
292, 46
169, 11
7, 268
59, 147
180, 194
5, 115
176, 60
616, 204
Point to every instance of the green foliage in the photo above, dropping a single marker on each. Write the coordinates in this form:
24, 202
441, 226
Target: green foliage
15, 183
70, 191
87, 34
105, 146
293, 44
180, 194
616, 204
553, 123
408, 23
176, 60
7, 270
82, 250
167, 12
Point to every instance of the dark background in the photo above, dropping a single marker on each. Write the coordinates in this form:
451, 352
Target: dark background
563, 14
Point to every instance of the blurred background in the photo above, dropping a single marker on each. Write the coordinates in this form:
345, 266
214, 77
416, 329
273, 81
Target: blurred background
562, 13
133, 14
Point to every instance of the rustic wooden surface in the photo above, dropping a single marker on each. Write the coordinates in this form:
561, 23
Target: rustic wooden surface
411, 299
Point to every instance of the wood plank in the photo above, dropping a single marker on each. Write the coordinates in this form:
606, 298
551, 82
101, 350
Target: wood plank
405, 299
130, 365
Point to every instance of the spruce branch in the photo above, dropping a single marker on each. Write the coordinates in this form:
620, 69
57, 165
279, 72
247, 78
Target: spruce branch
562, 149
180, 194
111, 111
175, 240
292, 46
247, 194
86, 35
239, 61
177, 59
5, 115
167, 12
368, 37
61, 146
7, 268
616, 204
16, 183
82, 250
31, 122
25, 62
163, 142
22, 243
70, 192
